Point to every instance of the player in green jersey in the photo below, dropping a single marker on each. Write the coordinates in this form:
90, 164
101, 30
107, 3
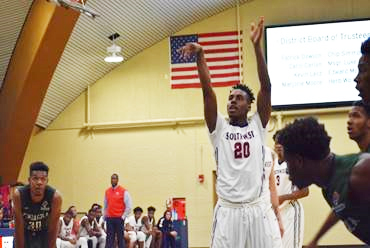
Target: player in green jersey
358, 129
343, 179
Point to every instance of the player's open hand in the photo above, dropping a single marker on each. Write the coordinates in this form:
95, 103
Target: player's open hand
189, 50
257, 31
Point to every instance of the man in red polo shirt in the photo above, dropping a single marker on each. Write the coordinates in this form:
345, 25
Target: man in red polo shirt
117, 203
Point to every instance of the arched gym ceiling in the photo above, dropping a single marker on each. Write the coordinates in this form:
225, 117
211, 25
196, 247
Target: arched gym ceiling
141, 24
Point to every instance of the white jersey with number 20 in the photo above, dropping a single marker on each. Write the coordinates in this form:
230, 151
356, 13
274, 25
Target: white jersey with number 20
239, 158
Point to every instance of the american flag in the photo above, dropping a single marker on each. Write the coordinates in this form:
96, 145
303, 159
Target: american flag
222, 55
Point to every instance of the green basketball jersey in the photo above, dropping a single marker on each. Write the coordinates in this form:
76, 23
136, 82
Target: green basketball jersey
355, 216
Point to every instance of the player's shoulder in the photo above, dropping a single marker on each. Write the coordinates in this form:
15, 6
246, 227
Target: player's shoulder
17, 196
279, 166
57, 196
359, 183
255, 119
362, 167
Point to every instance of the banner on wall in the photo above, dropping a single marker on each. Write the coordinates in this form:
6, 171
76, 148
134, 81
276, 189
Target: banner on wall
222, 55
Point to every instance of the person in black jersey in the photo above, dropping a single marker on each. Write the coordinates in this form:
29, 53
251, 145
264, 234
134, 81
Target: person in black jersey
37, 209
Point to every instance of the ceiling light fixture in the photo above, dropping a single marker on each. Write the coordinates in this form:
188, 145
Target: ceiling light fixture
114, 51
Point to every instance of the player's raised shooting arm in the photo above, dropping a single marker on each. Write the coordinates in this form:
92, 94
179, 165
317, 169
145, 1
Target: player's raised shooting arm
56, 206
209, 96
19, 224
264, 94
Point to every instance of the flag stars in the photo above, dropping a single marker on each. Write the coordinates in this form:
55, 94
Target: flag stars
178, 42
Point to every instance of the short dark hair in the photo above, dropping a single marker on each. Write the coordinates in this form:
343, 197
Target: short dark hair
69, 212
138, 209
276, 135
39, 166
70, 208
246, 89
96, 206
361, 104
305, 137
365, 47
114, 174
151, 208
167, 211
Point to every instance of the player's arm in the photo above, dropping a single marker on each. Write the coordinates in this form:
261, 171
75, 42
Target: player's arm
264, 94
59, 229
145, 222
104, 226
96, 229
294, 195
85, 223
209, 96
359, 180
160, 224
129, 227
75, 228
54, 219
330, 221
19, 224
275, 200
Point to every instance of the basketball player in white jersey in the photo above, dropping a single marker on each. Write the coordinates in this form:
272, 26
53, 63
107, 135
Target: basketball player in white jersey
100, 220
153, 234
89, 229
65, 238
291, 209
238, 143
134, 224
269, 196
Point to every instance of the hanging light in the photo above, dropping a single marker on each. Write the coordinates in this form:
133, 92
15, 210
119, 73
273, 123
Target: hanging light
114, 51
